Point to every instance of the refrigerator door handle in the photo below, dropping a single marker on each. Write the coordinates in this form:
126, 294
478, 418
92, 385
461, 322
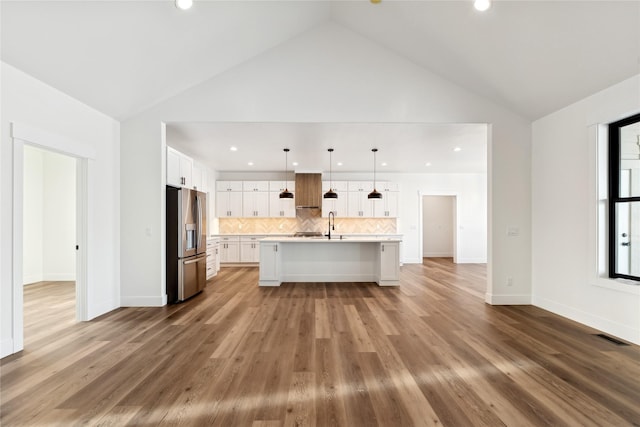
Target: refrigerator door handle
191, 261
199, 207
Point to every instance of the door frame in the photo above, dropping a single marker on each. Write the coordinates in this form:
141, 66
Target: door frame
25, 135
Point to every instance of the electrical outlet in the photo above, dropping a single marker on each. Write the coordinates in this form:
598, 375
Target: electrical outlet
509, 281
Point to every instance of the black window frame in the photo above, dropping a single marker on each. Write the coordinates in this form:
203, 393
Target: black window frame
614, 191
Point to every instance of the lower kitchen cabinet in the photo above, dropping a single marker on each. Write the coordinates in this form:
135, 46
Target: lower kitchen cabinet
269, 263
250, 249
389, 265
229, 249
236, 249
213, 247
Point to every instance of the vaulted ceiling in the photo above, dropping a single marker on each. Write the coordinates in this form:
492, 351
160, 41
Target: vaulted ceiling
123, 57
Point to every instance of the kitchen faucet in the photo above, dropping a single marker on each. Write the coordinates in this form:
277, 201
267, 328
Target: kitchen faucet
331, 227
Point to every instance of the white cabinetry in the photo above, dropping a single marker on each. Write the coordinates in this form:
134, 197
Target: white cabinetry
269, 264
359, 206
250, 248
281, 208
199, 178
179, 169
337, 206
387, 207
249, 186
389, 263
255, 204
229, 199
229, 186
364, 186
213, 246
229, 249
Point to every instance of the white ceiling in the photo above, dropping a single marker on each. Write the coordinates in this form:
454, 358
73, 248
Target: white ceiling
122, 57
403, 147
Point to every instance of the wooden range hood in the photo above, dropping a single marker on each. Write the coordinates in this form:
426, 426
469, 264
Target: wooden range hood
308, 190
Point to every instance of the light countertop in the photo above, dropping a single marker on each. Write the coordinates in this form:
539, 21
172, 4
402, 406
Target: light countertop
334, 239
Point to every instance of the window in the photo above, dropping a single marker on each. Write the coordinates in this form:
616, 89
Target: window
624, 198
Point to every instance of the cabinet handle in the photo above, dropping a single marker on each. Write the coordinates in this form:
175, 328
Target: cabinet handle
382, 248
275, 248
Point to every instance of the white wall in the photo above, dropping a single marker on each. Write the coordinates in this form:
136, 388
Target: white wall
31, 103
437, 226
59, 217
33, 201
329, 74
49, 219
564, 257
471, 199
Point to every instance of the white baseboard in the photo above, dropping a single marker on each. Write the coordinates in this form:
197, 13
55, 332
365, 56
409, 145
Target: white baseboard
96, 310
329, 277
141, 301
523, 299
619, 330
471, 261
437, 255
59, 277
34, 278
6, 348
412, 261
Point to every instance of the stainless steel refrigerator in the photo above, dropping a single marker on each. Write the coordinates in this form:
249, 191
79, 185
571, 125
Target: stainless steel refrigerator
186, 243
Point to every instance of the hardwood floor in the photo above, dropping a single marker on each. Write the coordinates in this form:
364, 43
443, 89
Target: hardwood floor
429, 352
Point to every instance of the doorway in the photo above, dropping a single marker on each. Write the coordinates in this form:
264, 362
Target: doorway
49, 240
27, 136
439, 227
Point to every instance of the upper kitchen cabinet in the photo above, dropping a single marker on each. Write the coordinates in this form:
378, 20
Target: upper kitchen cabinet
255, 204
360, 186
280, 186
281, 208
255, 199
337, 206
199, 178
248, 186
179, 169
387, 207
229, 186
229, 199
359, 206
388, 186
338, 186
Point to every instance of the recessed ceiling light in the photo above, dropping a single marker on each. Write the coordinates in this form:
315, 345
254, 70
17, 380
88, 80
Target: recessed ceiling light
427, 164
184, 4
482, 5
295, 163
250, 163
457, 149
339, 163
384, 163
233, 148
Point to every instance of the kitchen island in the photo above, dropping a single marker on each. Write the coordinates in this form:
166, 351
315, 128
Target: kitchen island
352, 259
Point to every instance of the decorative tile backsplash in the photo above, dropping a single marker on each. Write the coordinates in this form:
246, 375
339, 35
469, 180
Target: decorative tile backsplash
306, 220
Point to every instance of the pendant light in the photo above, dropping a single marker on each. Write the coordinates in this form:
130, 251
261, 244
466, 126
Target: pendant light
286, 194
375, 194
330, 194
